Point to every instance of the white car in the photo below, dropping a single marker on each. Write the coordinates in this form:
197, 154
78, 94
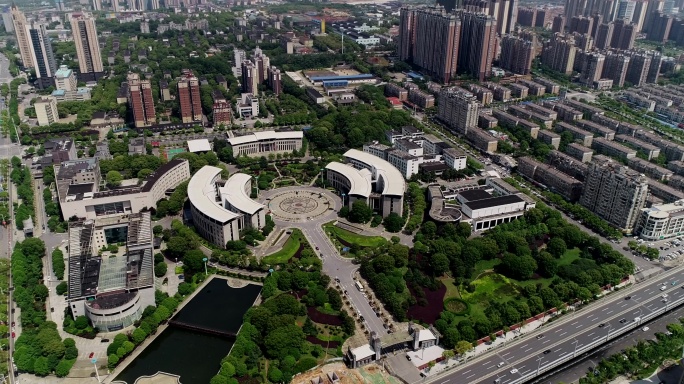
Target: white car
645, 329
663, 288
514, 371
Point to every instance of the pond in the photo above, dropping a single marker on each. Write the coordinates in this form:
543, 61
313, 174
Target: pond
194, 355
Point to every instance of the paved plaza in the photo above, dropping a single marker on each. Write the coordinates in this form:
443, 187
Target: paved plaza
301, 204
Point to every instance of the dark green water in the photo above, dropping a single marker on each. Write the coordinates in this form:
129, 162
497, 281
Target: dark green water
194, 356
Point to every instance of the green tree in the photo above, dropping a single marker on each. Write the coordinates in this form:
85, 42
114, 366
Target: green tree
393, 222
360, 212
463, 347
556, 247
138, 336
41, 366
160, 269
114, 178
112, 361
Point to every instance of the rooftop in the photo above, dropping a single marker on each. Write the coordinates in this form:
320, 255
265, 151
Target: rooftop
359, 184
475, 194
393, 180
152, 178
235, 194
265, 135
199, 145
202, 194
493, 202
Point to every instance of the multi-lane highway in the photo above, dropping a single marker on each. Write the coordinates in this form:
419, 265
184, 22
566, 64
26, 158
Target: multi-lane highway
571, 336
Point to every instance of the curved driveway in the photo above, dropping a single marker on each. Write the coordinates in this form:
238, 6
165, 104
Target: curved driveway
334, 265
573, 334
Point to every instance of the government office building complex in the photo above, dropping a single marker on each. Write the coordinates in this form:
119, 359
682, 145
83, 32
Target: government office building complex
370, 179
221, 209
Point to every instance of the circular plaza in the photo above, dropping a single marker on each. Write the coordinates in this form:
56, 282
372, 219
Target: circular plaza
300, 204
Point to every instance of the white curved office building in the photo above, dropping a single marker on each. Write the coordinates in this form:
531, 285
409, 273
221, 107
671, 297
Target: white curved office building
222, 208
369, 178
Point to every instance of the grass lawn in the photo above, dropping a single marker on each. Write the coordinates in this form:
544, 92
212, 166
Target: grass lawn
347, 237
485, 265
289, 249
569, 256
451, 290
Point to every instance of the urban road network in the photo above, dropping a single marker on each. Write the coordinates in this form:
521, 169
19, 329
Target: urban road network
573, 335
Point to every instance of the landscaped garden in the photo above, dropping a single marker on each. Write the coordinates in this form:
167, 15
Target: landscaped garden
299, 325
294, 247
353, 242
496, 280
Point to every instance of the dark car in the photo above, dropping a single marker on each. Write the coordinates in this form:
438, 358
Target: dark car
628, 297
540, 336
547, 351
602, 325
408, 357
104, 341
622, 321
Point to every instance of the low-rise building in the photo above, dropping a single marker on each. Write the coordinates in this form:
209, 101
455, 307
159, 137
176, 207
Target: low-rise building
454, 158
611, 148
662, 221
266, 142
568, 164
579, 152
46, 110
649, 169
78, 189
651, 151
664, 192
557, 181
599, 130
111, 290
482, 140
484, 211
579, 134
248, 106
549, 137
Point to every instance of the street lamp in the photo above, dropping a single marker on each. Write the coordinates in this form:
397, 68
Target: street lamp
539, 359
576, 342
323, 177
343, 195
94, 361
205, 265
257, 184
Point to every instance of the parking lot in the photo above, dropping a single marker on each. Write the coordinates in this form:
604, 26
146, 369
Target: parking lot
672, 249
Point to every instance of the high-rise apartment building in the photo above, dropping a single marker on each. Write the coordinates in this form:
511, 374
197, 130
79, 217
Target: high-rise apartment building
592, 69
558, 25
615, 68
659, 31
581, 24
458, 108
261, 62
639, 17
141, 101
559, 53
250, 78
429, 37
654, 68
527, 17
41, 53
625, 10
614, 192
517, 54
189, 98
624, 34
7, 19
478, 44
275, 80
87, 47
604, 35
21, 32
637, 70
652, 9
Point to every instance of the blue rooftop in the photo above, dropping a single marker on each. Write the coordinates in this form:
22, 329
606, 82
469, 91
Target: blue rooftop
58, 92
63, 71
343, 77
415, 75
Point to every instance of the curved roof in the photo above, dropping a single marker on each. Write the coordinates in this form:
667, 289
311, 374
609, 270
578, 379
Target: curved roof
393, 180
234, 192
359, 185
202, 192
